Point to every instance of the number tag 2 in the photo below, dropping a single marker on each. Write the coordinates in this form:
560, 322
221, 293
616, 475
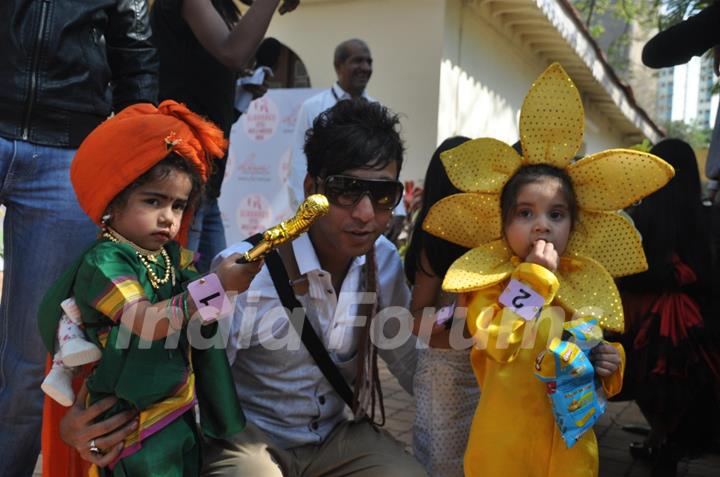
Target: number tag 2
522, 299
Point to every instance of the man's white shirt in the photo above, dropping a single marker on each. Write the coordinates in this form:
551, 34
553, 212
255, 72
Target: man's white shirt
280, 387
331, 313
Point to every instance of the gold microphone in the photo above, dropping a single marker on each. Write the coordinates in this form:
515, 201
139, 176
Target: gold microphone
311, 209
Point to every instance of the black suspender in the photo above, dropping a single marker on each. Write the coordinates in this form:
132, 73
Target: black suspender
307, 333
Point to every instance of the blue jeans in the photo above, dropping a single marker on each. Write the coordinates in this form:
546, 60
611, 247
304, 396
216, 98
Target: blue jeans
207, 233
712, 166
44, 231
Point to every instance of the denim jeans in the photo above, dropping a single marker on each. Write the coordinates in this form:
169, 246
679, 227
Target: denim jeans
44, 231
207, 233
712, 166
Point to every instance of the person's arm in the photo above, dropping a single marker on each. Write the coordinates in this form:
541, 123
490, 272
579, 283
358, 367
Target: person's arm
109, 278
232, 48
712, 187
131, 55
394, 292
712, 166
425, 295
609, 362
152, 321
78, 428
240, 332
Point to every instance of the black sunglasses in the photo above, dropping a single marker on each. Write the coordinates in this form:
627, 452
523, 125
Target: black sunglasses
346, 191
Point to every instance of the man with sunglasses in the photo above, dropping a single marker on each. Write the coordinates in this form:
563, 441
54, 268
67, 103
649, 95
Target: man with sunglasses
347, 280
298, 423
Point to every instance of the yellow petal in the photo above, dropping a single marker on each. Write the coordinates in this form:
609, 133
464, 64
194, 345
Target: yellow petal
614, 179
481, 165
480, 267
467, 219
552, 119
589, 290
610, 239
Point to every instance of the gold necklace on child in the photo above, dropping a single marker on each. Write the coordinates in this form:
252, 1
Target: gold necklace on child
146, 256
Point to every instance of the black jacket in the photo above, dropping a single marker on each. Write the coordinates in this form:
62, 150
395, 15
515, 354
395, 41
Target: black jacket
65, 65
208, 88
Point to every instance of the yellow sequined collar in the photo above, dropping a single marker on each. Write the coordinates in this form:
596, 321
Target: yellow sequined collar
604, 244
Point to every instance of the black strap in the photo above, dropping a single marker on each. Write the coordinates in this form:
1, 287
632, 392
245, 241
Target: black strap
307, 333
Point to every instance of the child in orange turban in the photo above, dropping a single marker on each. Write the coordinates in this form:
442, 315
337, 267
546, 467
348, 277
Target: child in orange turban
137, 176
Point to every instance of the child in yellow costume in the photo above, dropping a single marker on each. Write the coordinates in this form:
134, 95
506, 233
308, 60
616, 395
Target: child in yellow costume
541, 229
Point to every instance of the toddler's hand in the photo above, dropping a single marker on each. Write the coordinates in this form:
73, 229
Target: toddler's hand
543, 253
605, 358
237, 276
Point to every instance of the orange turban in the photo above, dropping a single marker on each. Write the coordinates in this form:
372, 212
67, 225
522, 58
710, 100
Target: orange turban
130, 143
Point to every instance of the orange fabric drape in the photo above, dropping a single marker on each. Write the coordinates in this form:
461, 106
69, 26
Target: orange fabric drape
58, 458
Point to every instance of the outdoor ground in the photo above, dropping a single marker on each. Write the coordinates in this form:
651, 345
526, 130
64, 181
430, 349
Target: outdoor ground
615, 460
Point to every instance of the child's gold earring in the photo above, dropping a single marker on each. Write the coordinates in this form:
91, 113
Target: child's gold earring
105, 219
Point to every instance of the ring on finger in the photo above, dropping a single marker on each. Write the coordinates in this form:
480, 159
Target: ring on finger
94, 449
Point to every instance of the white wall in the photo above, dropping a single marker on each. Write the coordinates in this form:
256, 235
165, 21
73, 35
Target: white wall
405, 38
600, 134
485, 77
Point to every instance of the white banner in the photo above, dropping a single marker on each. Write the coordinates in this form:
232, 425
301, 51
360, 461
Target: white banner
255, 192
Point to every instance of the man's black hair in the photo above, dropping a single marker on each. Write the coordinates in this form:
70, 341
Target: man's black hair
353, 134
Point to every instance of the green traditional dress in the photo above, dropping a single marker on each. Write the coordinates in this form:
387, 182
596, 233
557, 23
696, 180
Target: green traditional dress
161, 379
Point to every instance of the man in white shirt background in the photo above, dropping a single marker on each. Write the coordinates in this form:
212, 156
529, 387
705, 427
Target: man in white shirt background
353, 66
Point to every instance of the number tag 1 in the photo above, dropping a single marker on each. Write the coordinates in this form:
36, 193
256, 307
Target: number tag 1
210, 299
522, 299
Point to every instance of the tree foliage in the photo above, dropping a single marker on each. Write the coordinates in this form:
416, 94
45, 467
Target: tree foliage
695, 134
665, 13
660, 14
651, 14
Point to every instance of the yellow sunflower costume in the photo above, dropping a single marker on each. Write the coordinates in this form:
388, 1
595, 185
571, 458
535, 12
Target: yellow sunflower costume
514, 432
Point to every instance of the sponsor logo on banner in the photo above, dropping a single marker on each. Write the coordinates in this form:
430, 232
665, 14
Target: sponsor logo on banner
253, 214
255, 192
261, 120
252, 169
287, 122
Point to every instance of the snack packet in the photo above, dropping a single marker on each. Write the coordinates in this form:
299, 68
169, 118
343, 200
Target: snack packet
573, 389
